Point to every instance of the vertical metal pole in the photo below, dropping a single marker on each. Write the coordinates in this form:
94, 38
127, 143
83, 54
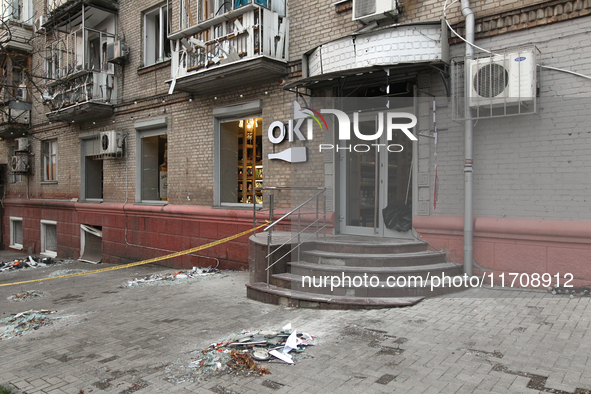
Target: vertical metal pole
317, 201
299, 231
269, 236
254, 215
468, 145
376, 192
84, 43
324, 209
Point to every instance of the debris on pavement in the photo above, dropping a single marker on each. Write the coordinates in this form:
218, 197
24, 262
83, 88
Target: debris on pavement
65, 272
26, 295
241, 353
571, 292
25, 322
28, 262
176, 277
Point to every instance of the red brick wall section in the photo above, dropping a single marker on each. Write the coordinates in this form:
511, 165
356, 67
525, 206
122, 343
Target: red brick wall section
503, 245
148, 229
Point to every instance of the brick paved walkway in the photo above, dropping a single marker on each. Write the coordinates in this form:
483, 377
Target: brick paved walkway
143, 339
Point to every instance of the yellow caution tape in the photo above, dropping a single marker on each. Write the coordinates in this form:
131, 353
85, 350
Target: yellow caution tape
168, 256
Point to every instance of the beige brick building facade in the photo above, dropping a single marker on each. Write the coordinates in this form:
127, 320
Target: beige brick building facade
250, 61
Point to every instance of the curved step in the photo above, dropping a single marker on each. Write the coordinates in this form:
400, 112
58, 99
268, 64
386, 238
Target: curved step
280, 296
427, 288
424, 271
358, 259
359, 244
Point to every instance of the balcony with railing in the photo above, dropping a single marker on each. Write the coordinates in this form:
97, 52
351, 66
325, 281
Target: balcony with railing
82, 85
243, 43
15, 109
16, 31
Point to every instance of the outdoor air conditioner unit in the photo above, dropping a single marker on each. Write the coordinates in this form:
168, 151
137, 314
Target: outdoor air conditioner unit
501, 80
38, 24
371, 10
21, 145
21, 93
110, 143
117, 51
19, 164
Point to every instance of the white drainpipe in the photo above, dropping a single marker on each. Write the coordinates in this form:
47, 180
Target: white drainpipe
468, 141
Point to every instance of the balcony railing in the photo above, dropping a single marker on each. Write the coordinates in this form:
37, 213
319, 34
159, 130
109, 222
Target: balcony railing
14, 116
15, 108
249, 32
16, 35
78, 71
85, 86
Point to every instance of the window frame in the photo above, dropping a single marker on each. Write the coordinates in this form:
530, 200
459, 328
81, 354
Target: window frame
44, 250
145, 129
13, 243
25, 15
251, 109
49, 150
84, 153
162, 33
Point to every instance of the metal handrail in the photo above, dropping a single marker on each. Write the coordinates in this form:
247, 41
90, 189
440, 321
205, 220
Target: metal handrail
298, 209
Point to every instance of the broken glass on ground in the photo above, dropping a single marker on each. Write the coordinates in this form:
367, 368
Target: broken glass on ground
244, 353
177, 277
26, 295
25, 322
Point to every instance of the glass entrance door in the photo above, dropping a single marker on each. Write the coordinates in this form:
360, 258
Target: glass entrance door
376, 187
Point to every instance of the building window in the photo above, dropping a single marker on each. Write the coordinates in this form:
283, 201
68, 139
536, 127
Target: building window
49, 238
92, 170
241, 161
18, 10
156, 29
16, 233
153, 166
212, 8
50, 160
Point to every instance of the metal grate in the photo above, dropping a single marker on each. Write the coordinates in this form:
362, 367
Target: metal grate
364, 7
491, 80
488, 85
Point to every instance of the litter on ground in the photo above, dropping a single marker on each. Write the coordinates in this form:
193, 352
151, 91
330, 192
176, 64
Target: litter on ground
28, 262
242, 353
25, 322
176, 277
26, 295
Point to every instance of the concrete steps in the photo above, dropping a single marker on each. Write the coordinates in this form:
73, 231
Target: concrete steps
281, 296
380, 271
381, 289
360, 259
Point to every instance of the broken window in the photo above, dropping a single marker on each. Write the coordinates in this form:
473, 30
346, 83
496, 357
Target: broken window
91, 244
156, 30
50, 160
49, 238
16, 233
241, 161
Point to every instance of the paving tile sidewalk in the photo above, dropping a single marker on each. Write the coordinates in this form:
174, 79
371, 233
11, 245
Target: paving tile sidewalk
142, 339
